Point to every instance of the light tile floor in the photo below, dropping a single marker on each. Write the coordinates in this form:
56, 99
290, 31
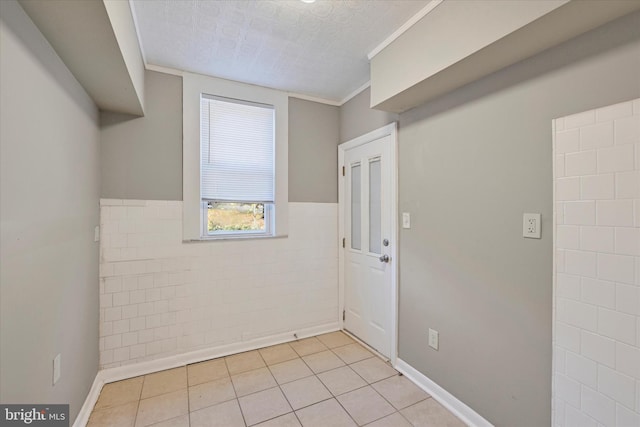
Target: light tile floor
324, 381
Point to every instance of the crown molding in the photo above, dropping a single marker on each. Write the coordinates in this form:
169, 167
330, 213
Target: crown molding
355, 93
410, 23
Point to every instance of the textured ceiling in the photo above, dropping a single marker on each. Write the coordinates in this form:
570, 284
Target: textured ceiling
318, 49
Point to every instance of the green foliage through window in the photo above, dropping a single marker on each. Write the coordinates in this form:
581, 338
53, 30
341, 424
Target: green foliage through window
235, 217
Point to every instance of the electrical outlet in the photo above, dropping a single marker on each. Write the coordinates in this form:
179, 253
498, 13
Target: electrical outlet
531, 225
433, 339
56, 368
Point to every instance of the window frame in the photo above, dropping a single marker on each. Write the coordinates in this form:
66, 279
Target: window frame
194, 86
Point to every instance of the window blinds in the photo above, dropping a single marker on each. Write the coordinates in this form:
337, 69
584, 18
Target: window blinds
237, 150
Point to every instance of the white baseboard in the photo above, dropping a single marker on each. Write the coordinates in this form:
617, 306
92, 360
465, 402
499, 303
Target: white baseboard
129, 371
85, 412
446, 399
143, 368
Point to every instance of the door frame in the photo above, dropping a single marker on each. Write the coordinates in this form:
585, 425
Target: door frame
392, 131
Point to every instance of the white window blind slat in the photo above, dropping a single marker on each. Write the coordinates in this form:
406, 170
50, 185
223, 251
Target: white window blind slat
237, 150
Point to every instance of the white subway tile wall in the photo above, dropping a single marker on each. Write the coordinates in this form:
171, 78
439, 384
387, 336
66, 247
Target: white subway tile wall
160, 296
597, 268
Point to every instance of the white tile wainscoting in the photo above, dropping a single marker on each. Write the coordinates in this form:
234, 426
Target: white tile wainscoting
597, 267
161, 297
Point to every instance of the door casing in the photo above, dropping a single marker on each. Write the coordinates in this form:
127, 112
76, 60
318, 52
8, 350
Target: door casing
392, 131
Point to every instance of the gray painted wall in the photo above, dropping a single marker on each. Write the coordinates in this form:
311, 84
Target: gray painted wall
141, 157
470, 164
356, 118
49, 193
313, 154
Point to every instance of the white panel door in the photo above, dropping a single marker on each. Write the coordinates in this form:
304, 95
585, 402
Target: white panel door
367, 225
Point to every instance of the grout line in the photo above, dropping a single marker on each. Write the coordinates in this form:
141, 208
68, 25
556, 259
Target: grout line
261, 358
135, 419
315, 403
188, 396
331, 396
336, 396
357, 374
286, 398
355, 361
237, 399
161, 394
307, 365
244, 420
392, 405
366, 346
295, 414
345, 409
402, 415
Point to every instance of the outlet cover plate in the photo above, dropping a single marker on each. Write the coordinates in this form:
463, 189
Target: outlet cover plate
531, 225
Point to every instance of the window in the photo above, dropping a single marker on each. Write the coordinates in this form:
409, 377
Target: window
236, 166
234, 160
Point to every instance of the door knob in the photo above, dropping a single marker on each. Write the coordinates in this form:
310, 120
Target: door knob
384, 258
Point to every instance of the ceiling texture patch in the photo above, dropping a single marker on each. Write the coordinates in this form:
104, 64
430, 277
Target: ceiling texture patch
317, 49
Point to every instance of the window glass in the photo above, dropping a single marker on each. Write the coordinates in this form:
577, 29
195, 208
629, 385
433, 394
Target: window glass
356, 208
230, 217
375, 206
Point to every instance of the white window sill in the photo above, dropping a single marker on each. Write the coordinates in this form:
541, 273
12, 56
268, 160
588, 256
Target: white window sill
234, 237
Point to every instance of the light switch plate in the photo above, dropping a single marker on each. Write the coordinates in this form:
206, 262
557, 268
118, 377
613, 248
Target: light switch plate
96, 234
531, 225
433, 339
56, 368
406, 220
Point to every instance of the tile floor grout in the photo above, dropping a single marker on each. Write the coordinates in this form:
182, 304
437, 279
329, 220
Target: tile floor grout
315, 374
279, 386
332, 395
235, 391
135, 418
294, 351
